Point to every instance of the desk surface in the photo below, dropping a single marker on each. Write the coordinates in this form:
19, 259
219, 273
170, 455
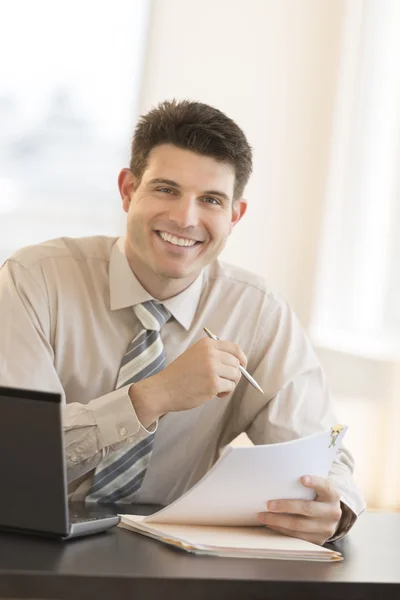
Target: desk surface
120, 565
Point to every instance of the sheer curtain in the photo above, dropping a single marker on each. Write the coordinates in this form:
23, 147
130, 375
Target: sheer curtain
357, 305
69, 96
357, 309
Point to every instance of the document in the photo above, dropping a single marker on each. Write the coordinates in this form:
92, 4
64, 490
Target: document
218, 515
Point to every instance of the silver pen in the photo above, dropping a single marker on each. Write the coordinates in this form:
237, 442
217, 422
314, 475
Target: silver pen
241, 369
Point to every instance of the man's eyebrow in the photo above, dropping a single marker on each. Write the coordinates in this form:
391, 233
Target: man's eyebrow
165, 182
161, 181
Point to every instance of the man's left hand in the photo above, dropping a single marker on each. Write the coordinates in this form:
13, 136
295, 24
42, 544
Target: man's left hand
313, 520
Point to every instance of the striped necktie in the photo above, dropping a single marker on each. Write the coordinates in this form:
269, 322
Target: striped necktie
120, 474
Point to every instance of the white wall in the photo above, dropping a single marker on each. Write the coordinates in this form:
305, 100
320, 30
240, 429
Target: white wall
272, 66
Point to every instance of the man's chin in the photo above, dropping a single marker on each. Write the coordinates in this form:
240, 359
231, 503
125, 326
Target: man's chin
177, 272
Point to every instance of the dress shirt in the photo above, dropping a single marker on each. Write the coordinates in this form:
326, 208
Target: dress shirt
67, 319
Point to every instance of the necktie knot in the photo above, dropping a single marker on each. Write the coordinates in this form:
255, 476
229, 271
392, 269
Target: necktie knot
152, 315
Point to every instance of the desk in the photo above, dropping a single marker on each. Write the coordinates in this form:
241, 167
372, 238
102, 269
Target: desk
120, 565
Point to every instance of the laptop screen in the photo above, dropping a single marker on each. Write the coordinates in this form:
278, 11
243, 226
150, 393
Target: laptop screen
33, 493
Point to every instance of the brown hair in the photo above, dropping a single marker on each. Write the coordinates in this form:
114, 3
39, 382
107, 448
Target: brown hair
197, 127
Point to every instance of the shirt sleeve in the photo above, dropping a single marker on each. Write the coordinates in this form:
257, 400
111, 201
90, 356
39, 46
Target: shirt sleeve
27, 361
297, 401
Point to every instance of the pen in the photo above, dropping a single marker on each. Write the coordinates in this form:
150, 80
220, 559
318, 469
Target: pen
241, 369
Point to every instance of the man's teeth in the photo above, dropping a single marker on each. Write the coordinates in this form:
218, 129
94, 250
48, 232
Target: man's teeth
172, 239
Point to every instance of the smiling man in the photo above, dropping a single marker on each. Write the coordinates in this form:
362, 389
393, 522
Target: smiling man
116, 326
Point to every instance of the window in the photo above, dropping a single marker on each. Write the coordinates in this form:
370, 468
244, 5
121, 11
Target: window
358, 307
67, 109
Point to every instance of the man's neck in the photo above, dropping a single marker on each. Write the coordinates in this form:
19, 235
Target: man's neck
162, 288
159, 287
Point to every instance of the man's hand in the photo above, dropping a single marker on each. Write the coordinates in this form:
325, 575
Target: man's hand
208, 368
313, 520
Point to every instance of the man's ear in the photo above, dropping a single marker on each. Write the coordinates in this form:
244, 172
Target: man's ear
126, 185
239, 208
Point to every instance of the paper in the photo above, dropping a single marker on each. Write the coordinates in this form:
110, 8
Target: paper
238, 542
218, 516
244, 479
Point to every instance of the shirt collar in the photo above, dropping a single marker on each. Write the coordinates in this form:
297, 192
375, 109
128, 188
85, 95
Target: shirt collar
126, 290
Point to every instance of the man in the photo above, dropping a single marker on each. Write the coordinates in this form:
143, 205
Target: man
116, 326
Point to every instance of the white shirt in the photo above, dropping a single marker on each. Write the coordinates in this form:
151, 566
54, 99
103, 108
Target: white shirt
67, 319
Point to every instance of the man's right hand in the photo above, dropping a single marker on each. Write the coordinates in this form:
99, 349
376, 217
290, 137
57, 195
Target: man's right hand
208, 368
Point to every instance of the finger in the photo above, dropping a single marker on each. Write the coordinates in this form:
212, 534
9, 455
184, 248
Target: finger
234, 349
228, 359
226, 388
231, 373
292, 522
326, 491
307, 508
322, 528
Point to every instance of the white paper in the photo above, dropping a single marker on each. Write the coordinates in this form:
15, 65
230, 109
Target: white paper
246, 542
244, 479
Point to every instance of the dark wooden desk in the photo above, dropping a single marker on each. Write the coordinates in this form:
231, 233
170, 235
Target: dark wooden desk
122, 565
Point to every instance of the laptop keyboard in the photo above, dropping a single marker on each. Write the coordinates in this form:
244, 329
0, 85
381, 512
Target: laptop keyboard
80, 513
76, 518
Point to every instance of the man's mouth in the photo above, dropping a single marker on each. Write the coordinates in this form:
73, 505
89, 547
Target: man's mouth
177, 240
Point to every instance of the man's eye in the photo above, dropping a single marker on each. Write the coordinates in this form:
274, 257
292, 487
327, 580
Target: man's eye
165, 190
211, 200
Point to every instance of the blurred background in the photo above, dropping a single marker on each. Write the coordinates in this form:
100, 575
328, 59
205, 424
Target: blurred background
315, 85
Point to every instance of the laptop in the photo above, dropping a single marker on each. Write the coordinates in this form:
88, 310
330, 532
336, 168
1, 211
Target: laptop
33, 481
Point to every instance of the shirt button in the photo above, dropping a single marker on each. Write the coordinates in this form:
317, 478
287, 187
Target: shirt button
130, 439
122, 431
74, 458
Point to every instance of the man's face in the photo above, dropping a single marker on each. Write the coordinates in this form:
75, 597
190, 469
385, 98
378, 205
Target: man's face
179, 215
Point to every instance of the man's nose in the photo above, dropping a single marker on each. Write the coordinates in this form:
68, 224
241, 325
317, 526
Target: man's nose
184, 212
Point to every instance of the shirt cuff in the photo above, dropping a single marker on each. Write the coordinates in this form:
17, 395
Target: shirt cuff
116, 418
346, 522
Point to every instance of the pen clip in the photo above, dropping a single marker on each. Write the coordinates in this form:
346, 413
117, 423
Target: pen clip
335, 431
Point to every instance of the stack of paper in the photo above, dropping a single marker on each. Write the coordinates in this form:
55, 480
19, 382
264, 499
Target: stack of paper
219, 514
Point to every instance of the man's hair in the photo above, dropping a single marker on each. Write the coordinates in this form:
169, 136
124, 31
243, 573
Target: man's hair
197, 127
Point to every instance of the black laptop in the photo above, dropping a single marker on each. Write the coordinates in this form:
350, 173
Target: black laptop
33, 482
